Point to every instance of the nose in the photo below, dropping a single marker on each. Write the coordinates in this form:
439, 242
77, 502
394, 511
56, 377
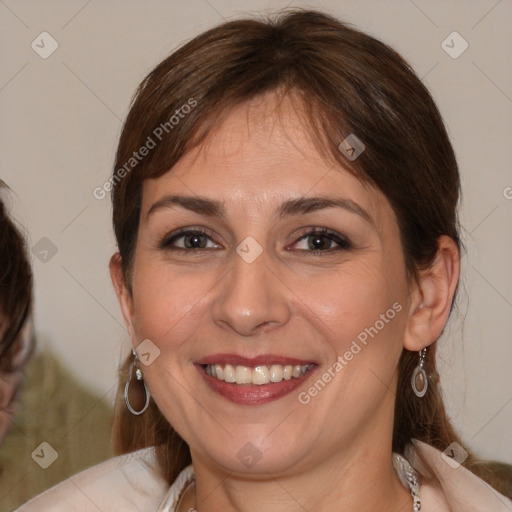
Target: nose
252, 299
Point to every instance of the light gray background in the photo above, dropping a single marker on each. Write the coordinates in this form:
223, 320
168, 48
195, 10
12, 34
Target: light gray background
61, 118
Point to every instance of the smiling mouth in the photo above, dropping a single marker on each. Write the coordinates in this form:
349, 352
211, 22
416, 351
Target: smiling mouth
257, 376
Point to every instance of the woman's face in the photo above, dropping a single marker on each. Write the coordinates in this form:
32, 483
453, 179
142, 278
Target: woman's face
258, 258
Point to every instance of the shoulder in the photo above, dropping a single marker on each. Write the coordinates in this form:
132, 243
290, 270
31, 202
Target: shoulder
130, 482
446, 485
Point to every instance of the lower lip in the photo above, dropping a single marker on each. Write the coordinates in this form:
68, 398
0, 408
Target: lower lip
251, 394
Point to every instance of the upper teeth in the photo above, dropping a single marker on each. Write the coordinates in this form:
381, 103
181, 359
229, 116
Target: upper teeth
258, 375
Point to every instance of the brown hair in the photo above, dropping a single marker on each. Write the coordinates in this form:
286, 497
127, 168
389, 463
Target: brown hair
15, 293
346, 82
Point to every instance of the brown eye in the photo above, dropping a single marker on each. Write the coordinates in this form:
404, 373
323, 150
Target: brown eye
319, 242
195, 241
322, 240
190, 239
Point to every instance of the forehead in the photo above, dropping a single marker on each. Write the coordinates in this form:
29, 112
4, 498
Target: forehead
262, 153
267, 133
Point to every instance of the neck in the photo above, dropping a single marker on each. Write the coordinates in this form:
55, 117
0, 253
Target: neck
358, 481
355, 475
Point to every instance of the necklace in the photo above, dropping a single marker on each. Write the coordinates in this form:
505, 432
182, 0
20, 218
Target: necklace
406, 473
409, 476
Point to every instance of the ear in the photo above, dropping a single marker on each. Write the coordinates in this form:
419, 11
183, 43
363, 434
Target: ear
431, 299
123, 293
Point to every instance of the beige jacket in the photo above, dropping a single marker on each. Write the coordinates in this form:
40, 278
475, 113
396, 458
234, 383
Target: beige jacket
132, 482
56, 409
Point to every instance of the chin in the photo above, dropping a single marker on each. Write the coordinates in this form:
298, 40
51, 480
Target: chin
256, 454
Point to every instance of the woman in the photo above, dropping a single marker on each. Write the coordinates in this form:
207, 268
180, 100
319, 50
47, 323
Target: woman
285, 210
38, 397
16, 332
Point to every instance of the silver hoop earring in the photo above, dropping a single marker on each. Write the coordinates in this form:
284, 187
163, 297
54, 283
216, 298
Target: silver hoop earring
419, 379
140, 378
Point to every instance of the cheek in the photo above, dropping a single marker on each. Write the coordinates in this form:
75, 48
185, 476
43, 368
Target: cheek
351, 300
167, 302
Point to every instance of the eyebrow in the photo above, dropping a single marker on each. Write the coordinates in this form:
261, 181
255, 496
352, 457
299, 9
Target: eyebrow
197, 204
302, 205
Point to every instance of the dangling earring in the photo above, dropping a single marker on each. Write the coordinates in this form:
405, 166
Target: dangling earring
419, 379
140, 378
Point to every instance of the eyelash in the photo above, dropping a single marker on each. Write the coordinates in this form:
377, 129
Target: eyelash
343, 242
168, 240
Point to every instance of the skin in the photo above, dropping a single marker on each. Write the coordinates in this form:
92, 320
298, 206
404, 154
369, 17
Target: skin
335, 452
